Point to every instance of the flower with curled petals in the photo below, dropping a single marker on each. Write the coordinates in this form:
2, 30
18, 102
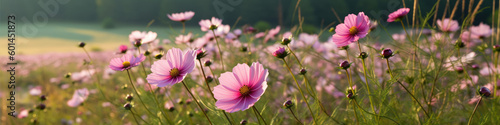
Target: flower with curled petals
398, 15
181, 17
127, 61
242, 88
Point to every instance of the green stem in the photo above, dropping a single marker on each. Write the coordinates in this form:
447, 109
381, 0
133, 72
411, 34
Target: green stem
355, 113
183, 27
220, 51
495, 75
133, 115
295, 116
392, 77
366, 79
300, 90
151, 89
257, 112
309, 88
475, 108
98, 85
158, 104
355, 101
195, 100
210, 91
138, 95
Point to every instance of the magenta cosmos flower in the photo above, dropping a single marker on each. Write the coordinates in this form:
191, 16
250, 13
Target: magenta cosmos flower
448, 25
353, 28
208, 24
240, 89
174, 69
181, 17
398, 15
483, 30
127, 61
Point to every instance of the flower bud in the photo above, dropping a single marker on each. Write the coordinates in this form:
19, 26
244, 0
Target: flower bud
286, 41
280, 52
363, 55
459, 70
344, 65
331, 30
129, 97
147, 53
128, 106
243, 122
250, 30
171, 109
287, 104
244, 49
485, 92
344, 48
180, 101
200, 53
213, 27
159, 56
209, 79
475, 66
303, 71
68, 75
208, 63
123, 48
496, 48
387, 53
40, 106
81, 44
138, 43
459, 44
43, 98
350, 94
190, 114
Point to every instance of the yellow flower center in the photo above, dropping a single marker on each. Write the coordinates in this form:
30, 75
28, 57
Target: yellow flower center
353, 30
174, 72
245, 90
126, 64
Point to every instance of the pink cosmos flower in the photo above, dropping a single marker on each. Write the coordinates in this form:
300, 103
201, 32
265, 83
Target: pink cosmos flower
272, 33
240, 89
123, 48
260, 35
280, 52
136, 36
181, 17
398, 15
79, 96
36, 90
353, 28
127, 61
483, 30
206, 24
24, 113
143, 37
183, 39
469, 38
172, 70
149, 37
448, 25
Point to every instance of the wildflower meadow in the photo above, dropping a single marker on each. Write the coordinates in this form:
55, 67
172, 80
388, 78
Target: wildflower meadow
430, 66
